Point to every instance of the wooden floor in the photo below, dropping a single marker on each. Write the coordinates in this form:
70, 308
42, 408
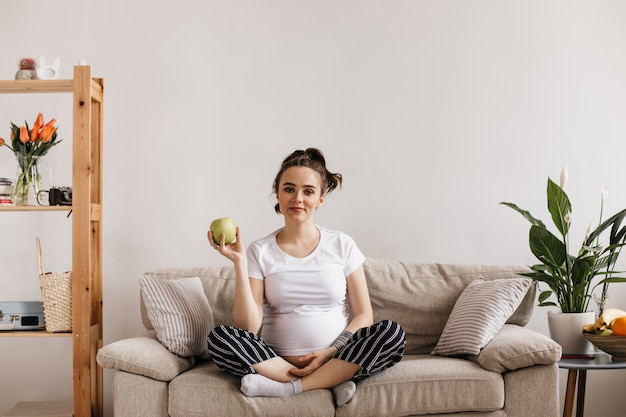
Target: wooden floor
42, 409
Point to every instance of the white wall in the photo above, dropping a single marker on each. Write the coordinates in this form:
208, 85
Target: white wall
434, 111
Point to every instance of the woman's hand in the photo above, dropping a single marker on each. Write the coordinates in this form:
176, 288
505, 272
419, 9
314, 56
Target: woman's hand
312, 361
248, 302
234, 251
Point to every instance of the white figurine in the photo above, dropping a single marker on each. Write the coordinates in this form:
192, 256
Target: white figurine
48, 72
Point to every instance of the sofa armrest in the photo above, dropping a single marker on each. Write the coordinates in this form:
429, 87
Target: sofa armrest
516, 347
143, 355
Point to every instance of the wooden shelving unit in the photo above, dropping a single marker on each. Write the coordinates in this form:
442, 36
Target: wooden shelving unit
88, 94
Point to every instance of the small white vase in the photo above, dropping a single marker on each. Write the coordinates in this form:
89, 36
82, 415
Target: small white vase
567, 330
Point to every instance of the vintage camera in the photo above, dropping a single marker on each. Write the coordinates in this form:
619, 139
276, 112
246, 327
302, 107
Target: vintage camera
60, 196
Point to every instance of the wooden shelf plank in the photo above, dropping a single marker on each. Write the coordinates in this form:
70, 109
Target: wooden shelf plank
35, 208
32, 333
36, 86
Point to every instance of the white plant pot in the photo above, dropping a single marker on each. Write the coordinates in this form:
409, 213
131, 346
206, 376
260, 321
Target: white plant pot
567, 330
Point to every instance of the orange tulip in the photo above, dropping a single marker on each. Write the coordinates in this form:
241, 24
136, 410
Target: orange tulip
4, 143
48, 130
24, 136
35, 132
46, 133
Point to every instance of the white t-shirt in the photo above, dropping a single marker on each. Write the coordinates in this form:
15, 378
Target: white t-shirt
305, 298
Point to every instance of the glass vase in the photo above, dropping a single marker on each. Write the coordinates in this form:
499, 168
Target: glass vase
27, 180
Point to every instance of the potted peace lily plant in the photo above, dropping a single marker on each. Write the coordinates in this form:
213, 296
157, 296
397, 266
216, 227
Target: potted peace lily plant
572, 279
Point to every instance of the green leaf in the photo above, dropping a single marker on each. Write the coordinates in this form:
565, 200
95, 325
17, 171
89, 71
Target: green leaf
524, 213
618, 217
619, 236
611, 279
546, 247
550, 304
544, 295
558, 206
582, 270
615, 232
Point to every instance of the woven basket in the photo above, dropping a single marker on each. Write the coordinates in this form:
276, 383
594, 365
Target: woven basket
56, 293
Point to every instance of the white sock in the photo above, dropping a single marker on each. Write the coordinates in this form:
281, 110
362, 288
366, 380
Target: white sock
344, 392
257, 385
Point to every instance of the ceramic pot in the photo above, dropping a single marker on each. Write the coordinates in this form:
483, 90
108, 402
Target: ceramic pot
26, 75
567, 330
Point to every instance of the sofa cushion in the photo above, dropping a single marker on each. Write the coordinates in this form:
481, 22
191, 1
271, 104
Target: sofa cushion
179, 312
423, 384
143, 355
420, 297
218, 283
137, 396
479, 313
516, 347
207, 391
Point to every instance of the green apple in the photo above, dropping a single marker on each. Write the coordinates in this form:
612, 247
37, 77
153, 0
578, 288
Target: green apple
223, 226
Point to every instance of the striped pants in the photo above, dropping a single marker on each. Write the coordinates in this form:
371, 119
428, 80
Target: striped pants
373, 348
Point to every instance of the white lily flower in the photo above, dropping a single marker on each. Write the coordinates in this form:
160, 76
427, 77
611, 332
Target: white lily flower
568, 217
605, 192
564, 176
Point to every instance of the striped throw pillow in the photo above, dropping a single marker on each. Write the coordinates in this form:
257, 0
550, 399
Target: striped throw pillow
179, 312
479, 313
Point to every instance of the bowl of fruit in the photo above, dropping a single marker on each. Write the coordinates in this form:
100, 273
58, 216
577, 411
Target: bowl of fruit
608, 333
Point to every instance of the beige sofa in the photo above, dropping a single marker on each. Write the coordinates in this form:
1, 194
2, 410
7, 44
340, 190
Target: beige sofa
514, 375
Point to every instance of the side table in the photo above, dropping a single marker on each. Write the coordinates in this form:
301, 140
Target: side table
578, 370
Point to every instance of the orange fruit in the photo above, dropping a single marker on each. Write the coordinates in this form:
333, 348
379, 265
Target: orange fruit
619, 326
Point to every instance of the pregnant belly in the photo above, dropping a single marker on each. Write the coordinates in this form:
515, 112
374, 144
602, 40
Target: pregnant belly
295, 334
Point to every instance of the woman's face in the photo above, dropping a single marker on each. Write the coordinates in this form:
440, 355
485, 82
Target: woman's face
299, 193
